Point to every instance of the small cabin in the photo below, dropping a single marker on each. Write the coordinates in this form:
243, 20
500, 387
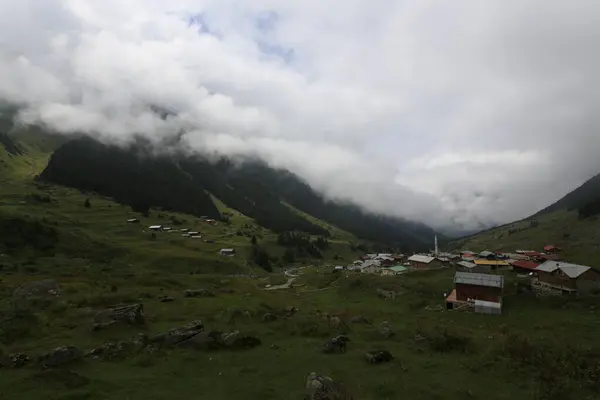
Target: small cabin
155, 227
227, 252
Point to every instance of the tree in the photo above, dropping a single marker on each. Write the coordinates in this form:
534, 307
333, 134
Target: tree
87, 203
260, 257
289, 256
253, 240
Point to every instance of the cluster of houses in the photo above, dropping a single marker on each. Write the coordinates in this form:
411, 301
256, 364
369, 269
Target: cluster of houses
478, 280
186, 233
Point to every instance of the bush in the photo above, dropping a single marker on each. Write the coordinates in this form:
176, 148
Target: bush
87, 203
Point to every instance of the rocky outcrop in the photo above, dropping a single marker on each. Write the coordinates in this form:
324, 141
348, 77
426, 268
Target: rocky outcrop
60, 356
324, 388
46, 287
178, 335
130, 314
207, 340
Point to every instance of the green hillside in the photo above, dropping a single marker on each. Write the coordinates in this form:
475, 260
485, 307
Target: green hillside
100, 261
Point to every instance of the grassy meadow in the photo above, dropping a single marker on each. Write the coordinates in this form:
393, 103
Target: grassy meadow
538, 349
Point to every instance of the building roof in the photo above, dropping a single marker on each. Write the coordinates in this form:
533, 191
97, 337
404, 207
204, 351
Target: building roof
486, 253
551, 257
227, 250
421, 259
571, 270
471, 278
398, 268
533, 253
466, 264
550, 247
491, 262
525, 264
155, 227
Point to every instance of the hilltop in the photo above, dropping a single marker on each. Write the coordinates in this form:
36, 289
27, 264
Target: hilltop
571, 223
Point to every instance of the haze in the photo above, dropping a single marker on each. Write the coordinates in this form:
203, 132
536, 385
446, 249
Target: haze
458, 114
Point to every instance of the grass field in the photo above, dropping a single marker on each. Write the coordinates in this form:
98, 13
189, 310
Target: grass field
538, 349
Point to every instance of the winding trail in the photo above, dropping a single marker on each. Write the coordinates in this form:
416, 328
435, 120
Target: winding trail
283, 286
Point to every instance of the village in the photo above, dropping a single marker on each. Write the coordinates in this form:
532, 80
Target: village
479, 277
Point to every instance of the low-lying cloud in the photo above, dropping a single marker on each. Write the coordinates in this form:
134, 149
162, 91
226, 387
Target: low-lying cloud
467, 114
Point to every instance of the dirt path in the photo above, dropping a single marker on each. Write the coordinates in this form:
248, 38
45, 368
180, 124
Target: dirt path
283, 286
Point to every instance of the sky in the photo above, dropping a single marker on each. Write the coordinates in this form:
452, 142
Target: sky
458, 114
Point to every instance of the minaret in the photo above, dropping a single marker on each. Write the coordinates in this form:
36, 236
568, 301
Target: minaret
436, 246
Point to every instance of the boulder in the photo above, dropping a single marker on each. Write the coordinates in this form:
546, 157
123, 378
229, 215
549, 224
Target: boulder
130, 314
16, 360
337, 344
385, 330
119, 350
178, 335
198, 293
60, 356
378, 356
268, 317
289, 311
324, 388
203, 341
46, 287
166, 299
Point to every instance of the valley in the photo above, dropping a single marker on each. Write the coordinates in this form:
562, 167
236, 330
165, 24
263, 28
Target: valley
82, 241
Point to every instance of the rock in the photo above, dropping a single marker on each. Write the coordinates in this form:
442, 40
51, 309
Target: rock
228, 339
166, 299
338, 343
385, 330
130, 314
46, 287
198, 293
118, 350
359, 319
60, 356
16, 360
289, 311
177, 335
378, 356
100, 326
324, 388
244, 342
268, 317
386, 294
203, 341
274, 347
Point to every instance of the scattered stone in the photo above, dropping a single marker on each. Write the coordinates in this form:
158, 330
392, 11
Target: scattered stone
274, 347
166, 299
385, 330
16, 360
268, 317
203, 341
119, 350
198, 293
178, 335
338, 343
46, 287
129, 314
359, 319
386, 294
324, 388
60, 356
378, 356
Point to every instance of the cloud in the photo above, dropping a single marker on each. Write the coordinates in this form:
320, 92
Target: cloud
467, 114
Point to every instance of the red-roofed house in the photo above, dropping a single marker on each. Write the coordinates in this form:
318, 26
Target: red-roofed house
551, 248
549, 257
525, 266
